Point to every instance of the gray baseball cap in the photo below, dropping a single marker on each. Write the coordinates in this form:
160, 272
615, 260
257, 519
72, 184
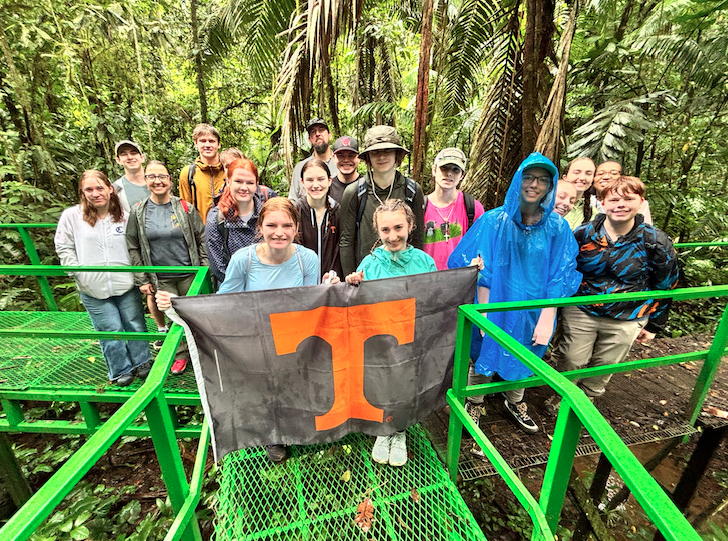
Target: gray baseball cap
127, 143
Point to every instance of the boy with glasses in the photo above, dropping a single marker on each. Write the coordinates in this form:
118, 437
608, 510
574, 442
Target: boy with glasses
449, 213
528, 253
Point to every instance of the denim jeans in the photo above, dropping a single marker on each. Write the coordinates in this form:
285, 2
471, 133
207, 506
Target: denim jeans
118, 314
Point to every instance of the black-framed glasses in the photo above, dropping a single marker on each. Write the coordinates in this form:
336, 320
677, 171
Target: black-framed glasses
154, 178
542, 181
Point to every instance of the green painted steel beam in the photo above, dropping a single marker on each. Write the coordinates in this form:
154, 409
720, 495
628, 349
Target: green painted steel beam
49, 426
197, 479
628, 366
657, 505
110, 394
58, 270
45, 286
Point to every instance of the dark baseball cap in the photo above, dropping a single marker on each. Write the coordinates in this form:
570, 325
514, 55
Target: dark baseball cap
127, 143
316, 122
346, 143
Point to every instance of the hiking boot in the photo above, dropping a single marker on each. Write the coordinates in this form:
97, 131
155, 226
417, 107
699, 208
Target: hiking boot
142, 371
179, 366
552, 405
477, 451
275, 453
398, 449
380, 451
519, 413
125, 380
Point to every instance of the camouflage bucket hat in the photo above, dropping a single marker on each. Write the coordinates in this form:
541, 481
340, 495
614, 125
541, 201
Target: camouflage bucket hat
381, 138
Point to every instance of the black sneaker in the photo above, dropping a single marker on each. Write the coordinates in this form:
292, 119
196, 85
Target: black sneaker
142, 371
519, 413
125, 380
276, 453
157, 344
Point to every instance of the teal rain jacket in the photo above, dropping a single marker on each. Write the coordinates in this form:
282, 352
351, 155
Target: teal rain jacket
521, 263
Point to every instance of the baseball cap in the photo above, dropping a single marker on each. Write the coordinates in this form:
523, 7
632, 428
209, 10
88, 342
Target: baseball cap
127, 143
451, 156
316, 122
346, 143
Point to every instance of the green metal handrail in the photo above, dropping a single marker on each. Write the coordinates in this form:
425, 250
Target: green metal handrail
149, 399
576, 412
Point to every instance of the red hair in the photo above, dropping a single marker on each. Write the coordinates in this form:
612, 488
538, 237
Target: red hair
227, 205
275, 204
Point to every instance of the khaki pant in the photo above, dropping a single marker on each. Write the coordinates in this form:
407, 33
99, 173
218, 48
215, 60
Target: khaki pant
179, 286
590, 341
514, 396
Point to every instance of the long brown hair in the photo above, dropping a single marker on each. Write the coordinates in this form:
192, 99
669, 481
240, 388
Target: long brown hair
90, 214
227, 205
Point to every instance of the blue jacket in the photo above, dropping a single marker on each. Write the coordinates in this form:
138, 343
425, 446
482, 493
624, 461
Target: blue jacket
521, 263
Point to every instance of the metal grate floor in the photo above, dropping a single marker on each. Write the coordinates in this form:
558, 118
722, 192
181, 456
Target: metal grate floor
314, 495
57, 364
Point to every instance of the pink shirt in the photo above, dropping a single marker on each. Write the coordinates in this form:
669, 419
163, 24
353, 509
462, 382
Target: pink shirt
441, 239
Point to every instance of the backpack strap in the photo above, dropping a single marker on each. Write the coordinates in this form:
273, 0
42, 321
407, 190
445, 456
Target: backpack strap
410, 190
185, 205
469, 208
224, 233
300, 263
191, 182
250, 262
427, 202
361, 196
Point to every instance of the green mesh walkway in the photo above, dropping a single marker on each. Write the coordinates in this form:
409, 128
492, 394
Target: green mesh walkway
54, 363
314, 495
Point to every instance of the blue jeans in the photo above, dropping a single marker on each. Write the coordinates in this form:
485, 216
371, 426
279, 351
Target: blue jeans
118, 314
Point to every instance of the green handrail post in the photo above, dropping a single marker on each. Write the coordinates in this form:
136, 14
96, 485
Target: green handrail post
561, 458
709, 369
459, 382
196, 480
45, 286
170, 461
90, 414
13, 411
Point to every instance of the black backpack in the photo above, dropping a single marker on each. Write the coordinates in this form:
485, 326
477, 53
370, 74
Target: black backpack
469, 207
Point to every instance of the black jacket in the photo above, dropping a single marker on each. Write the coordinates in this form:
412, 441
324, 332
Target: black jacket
324, 240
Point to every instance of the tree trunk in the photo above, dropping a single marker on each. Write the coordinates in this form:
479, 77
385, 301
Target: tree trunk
197, 52
419, 147
529, 106
142, 85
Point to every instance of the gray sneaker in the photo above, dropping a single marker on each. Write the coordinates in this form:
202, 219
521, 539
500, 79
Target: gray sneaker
519, 413
380, 451
142, 371
275, 453
552, 405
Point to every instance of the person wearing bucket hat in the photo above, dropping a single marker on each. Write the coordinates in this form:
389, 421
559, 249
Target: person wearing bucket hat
382, 153
528, 253
449, 213
319, 136
346, 156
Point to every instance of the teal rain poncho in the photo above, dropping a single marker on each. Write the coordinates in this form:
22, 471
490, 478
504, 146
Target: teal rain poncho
521, 263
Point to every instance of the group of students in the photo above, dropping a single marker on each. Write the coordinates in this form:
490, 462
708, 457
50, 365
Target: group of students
381, 227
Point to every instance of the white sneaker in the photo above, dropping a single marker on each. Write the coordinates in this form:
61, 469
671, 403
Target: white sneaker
398, 449
380, 451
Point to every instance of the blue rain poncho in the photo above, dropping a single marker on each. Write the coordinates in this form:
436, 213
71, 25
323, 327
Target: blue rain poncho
520, 263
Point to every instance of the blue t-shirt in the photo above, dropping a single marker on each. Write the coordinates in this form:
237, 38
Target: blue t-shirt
246, 272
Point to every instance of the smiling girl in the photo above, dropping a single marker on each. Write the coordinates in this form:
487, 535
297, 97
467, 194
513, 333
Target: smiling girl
580, 173
394, 221
165, 231
233, 224
92, 233
319, 213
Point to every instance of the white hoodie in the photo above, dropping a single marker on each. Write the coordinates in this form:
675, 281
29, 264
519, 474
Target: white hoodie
79, 244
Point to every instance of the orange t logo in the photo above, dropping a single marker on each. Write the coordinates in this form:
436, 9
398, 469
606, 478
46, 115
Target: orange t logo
346, 330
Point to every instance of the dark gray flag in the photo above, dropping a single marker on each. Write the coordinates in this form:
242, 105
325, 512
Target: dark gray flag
311, 364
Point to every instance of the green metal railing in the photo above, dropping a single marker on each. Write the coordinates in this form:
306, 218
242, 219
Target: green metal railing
576, 412
149, 399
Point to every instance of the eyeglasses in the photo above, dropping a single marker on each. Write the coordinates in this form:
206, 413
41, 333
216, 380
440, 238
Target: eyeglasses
450, 168
612, 172
155, 178
542, 181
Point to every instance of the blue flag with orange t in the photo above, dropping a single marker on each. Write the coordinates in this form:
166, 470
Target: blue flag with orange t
311, 364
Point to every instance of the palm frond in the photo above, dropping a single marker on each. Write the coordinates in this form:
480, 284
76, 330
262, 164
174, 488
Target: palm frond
617, 127
496, 149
